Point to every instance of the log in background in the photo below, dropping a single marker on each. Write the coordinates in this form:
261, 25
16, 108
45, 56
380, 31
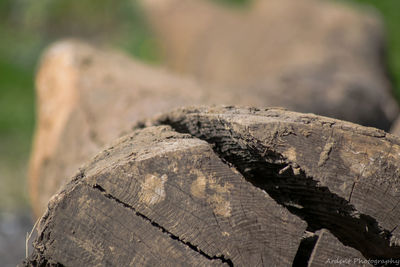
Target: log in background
305, 55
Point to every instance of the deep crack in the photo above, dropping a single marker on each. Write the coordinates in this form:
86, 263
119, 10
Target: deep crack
305, 250
289, 186
162, 229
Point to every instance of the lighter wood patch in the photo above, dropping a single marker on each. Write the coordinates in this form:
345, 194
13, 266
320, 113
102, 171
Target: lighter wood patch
324, 156
152, 190
290, 154
220, 200
218, 194
198, 187
222, 205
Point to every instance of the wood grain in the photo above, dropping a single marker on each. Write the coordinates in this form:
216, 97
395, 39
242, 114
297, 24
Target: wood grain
230, 186
329, 251
334, 174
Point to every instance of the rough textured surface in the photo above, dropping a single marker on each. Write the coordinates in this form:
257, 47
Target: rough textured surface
156, 198
229, 186
306, 55
337, 175
329, 251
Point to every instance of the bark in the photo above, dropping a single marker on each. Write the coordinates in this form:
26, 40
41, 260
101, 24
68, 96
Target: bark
229, 186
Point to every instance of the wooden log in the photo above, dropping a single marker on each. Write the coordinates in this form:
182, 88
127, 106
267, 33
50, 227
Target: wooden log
230, 186
160, 198
336, 175
86, 97
306, 55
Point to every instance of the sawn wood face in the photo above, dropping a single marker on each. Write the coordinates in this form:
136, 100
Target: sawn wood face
229, 186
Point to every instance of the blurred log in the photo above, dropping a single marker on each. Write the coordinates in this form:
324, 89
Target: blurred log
306, 55
395, 129
262, 188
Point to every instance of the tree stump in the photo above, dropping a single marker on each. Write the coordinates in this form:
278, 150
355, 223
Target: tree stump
230, 186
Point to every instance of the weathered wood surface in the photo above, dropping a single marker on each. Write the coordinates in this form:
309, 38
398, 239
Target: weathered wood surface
159, 198
306, 55
227, 186
337, 175
329, 251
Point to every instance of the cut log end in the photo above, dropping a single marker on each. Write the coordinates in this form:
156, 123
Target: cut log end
227, 186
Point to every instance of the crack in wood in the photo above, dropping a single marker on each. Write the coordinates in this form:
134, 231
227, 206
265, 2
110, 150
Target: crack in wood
162, 229
351, 192
305, 250
297, 192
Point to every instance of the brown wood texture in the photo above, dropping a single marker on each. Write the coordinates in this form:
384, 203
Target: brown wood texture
329, 251
230, 186
336, 175
306, 55
160, 198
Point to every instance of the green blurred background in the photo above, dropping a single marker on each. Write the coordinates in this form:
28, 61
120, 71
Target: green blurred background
28, 26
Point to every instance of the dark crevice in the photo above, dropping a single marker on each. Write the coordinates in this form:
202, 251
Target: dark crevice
39, 260
352, 189
305, 250
162, 229
289, 186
